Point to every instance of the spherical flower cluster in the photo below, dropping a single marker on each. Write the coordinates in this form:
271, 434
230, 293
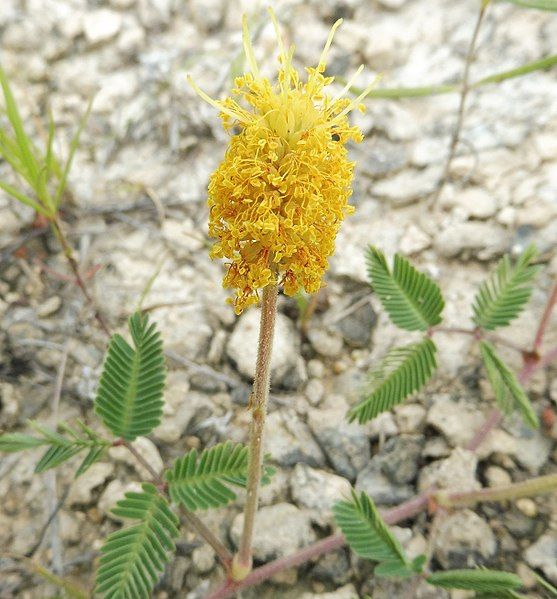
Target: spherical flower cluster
278, 198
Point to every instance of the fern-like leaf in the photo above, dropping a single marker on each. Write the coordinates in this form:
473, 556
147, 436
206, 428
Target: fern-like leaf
480, 581
202, 481
95, 454
403, 371
133, 558
502, 297
508, 392
61, 448
65, 446
12, 442
412, 300
369, 536
56, 455
129, 399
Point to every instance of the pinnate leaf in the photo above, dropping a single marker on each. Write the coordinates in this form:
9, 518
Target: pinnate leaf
402, 372
481, 580
369, 536
133, 558
502, 297
412, 300
62, 445
509, 393
130, 395
203, 481
12, 442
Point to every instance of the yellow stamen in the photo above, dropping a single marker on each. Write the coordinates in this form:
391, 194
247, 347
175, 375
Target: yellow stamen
248, 48
354, 103
277, 33
281, 192
218, 105
350, 83
323, 59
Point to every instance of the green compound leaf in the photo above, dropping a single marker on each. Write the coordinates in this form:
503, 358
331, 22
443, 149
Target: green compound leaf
412, 300
56, 455
393, 570
539, 4
202, 481
502, 297
62, 446
133, 558
403, 371
93, 455
129, 398
12, 442
369, 536
480, 581
509, 393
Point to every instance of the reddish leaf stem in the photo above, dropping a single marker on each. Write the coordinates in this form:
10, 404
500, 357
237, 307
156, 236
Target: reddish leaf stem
544, 322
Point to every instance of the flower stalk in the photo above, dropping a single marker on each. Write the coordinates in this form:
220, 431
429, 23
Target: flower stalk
242, 563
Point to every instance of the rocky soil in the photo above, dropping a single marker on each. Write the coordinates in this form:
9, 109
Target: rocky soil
138, 212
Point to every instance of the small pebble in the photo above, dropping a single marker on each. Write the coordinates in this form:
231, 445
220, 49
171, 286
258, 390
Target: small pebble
527, 506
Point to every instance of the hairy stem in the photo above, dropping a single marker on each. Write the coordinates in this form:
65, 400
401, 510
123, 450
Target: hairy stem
528, 488
68, 252
261, 384
463, 97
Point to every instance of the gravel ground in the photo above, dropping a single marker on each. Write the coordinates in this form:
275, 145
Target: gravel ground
138, 209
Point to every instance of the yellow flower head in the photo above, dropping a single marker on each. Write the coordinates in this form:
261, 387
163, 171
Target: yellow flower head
278, 198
